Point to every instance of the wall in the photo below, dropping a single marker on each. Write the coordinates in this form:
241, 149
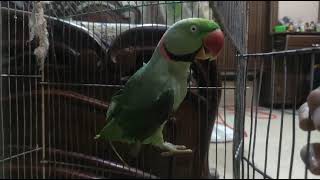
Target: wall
305, 11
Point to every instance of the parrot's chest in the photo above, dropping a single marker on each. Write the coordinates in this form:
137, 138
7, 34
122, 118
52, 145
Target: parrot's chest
180, 91
152, 91
162, 77
179, 86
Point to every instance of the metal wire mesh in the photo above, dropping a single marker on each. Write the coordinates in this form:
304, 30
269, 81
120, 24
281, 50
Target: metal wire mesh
49, 117
282, 83
233, 16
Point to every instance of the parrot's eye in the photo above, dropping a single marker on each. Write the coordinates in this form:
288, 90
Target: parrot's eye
193, 28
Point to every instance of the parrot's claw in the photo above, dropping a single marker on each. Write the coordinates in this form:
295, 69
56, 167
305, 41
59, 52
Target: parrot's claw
174, 149
181, 147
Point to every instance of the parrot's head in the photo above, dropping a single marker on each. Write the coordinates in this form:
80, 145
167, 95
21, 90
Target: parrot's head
192, 39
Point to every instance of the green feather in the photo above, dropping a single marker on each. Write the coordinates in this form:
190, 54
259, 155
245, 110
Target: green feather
138, 113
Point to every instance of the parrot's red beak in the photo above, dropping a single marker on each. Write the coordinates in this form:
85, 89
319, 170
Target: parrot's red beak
213, 44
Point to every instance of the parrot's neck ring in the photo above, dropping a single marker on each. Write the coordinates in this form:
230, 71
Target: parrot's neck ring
174, 57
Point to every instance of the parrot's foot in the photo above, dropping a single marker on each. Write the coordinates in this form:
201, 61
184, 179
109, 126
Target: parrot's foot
174, 149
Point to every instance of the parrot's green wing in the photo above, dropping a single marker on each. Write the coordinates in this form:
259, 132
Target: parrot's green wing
132, 124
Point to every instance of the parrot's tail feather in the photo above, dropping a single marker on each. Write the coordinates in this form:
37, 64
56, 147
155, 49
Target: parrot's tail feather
115, 151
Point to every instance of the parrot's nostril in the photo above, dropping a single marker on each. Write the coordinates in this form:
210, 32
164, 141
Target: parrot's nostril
214, 41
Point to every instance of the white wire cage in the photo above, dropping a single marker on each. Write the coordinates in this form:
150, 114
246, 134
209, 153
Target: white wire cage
51, 108
50, 112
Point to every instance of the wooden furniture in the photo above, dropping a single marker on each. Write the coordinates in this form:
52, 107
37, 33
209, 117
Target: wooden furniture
294, 40
298, 69
258, 39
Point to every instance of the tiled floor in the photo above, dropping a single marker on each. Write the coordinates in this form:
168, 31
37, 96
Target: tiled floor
224, 164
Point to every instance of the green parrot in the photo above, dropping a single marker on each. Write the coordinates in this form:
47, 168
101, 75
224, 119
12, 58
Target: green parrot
138, 113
